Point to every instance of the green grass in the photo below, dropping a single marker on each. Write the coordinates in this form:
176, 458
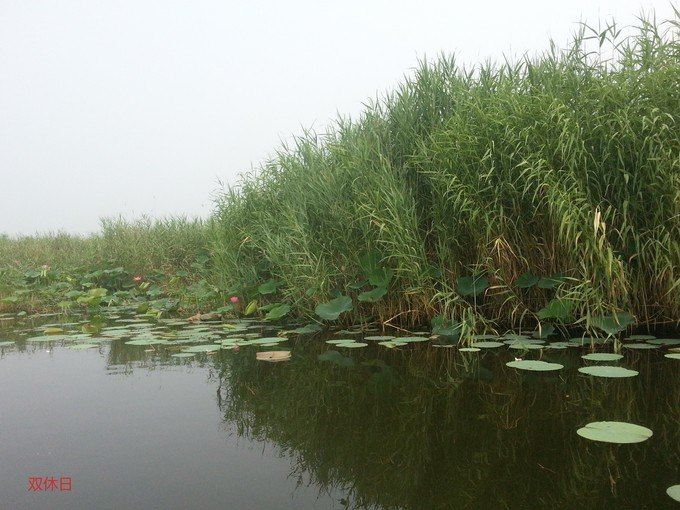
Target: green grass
565, 163
171, 256
140, 246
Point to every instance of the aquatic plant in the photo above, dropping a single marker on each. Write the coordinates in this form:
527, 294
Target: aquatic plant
495, 194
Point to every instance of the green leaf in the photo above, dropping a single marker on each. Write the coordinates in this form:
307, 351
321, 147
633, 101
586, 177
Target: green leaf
608, 371
557, 309
527, 280
369, 262
446, 328
268, 287
674, 492
277, 312
615, 432
550, 282
373, 295
602, 356
308, 329
545, 331
487, 344
332, 309
535, 366
381, 277
472, 285
612, 324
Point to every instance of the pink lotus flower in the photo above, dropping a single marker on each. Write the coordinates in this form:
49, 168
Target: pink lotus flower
233, 299
137, 278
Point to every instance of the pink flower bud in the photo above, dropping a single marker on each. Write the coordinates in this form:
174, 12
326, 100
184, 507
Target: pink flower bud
233, 299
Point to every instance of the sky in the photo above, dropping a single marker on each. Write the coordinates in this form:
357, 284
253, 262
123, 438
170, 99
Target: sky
140, 107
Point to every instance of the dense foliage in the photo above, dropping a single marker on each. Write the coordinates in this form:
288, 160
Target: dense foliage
563, 167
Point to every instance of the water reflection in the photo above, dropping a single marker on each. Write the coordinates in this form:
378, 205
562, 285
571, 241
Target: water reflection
424, 429
427, 428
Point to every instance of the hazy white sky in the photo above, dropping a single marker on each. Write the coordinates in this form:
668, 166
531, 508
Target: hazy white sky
138, 106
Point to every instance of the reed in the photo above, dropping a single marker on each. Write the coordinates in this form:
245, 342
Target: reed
568, 162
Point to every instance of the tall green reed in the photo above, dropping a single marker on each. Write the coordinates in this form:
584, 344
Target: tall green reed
568, 162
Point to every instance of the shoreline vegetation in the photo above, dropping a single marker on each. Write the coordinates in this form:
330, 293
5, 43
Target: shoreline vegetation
542, 194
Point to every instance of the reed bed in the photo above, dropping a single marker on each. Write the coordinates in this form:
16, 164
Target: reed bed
563, 163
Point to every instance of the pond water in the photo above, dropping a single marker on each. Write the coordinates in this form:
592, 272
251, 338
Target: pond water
410, 427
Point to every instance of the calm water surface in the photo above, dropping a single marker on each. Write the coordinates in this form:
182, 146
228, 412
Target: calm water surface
414, 428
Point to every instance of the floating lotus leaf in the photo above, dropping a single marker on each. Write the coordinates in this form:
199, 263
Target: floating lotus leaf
472, 285
265, 340
486, 345
392, 344
53, 331
184, 355
674, 355
48, 338
332, 310
273, 356
468, 349
146, 341
674, 492
6, 343
231, 341
340, 341
352, 345
533, 341
557, 345
641, 337
615, 432
202, 348
608, 371
640, 346
93, 339
602, 356
410, 339
665, 341
79, 347
534, 365
524, 346
337, 358
379, 338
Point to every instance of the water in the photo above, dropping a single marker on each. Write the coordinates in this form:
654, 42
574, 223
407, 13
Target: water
415, 428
